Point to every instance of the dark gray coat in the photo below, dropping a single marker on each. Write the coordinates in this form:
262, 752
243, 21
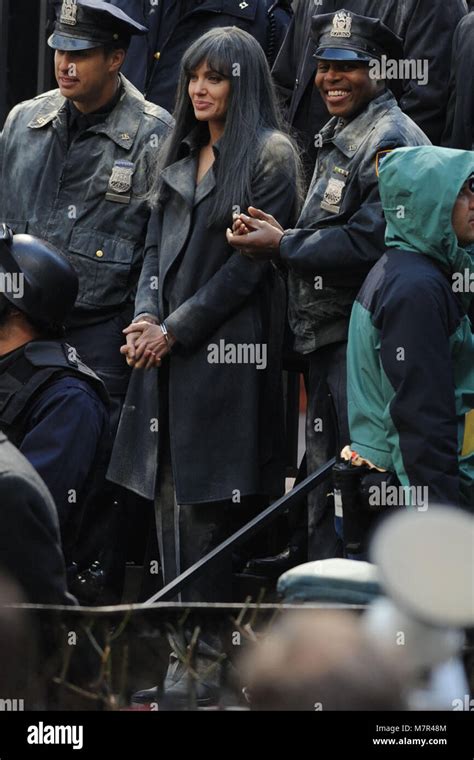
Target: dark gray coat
224, 417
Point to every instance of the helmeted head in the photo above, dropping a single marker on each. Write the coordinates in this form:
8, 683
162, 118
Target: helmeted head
37, 280
85, 24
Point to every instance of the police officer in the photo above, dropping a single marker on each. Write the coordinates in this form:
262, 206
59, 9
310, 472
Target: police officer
153, 64
340, 232
52, 407
75, 170
427, 31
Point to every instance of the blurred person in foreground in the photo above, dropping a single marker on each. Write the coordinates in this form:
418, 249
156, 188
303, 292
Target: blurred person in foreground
320, 661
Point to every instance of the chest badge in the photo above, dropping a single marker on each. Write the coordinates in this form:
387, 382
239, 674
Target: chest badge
341, 25
120, 182
69, 13
332, 195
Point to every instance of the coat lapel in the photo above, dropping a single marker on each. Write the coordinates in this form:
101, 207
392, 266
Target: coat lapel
180, 178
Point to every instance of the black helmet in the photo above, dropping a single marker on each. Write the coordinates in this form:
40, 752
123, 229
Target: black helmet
36, 278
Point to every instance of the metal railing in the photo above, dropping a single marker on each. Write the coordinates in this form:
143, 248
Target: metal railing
243, 534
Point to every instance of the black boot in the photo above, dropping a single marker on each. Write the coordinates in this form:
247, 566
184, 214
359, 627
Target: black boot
273, 567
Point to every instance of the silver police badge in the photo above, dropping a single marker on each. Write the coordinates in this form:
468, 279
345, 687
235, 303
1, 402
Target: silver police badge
332, 195
68, 12
341, 25
120, 181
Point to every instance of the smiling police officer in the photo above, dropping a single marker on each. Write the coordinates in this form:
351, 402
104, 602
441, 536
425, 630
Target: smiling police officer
340, 232
75, 169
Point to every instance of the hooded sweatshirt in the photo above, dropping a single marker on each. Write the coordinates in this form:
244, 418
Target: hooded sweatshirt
411, 346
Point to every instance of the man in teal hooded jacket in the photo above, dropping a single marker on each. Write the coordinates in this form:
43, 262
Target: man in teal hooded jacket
411, 346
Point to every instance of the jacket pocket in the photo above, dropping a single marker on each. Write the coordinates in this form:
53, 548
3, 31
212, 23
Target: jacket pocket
103, 264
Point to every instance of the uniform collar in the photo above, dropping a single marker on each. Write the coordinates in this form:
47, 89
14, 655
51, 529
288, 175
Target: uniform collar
87, 120
121, 125
349, 139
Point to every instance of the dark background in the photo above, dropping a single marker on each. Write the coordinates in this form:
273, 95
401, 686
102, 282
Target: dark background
25, 59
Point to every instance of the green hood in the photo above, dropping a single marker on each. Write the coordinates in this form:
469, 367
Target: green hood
418, 188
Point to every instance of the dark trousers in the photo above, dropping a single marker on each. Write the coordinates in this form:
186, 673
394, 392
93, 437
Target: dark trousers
109, 527
187, 532
327, 432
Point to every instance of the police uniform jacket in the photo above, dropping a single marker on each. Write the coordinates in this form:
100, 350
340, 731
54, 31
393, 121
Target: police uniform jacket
55, 410
460, 123
340, 232
86, 196
153, 66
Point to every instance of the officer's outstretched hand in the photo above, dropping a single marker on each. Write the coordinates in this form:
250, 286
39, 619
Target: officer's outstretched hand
257, 235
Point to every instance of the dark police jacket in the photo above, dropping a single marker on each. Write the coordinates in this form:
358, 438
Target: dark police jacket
460, 123
340, 232
153, 65
54, 409
224, 413
77, 196
30, 547
427, 30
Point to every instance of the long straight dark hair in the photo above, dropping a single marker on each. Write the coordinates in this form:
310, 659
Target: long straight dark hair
252, 111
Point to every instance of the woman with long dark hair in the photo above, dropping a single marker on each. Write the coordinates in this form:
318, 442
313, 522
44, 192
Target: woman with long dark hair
209, 318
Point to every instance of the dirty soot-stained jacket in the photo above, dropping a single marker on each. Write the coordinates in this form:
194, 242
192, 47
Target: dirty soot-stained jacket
225, 418
340, 232
61, 192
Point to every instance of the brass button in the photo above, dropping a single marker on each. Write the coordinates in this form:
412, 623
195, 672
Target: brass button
157, 56
99, 254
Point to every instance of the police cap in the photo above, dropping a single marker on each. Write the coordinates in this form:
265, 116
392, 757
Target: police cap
346, 36
84, 24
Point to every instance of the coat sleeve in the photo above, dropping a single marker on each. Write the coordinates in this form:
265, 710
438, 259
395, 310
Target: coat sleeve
274, 190
459, 130
146, 300
429, 36
286, 65
419, 388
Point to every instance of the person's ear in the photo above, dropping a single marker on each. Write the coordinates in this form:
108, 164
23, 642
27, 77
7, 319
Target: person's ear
116, 60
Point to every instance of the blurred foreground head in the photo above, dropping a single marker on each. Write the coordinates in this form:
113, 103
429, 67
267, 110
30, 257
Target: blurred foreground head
318, 660
18, 651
